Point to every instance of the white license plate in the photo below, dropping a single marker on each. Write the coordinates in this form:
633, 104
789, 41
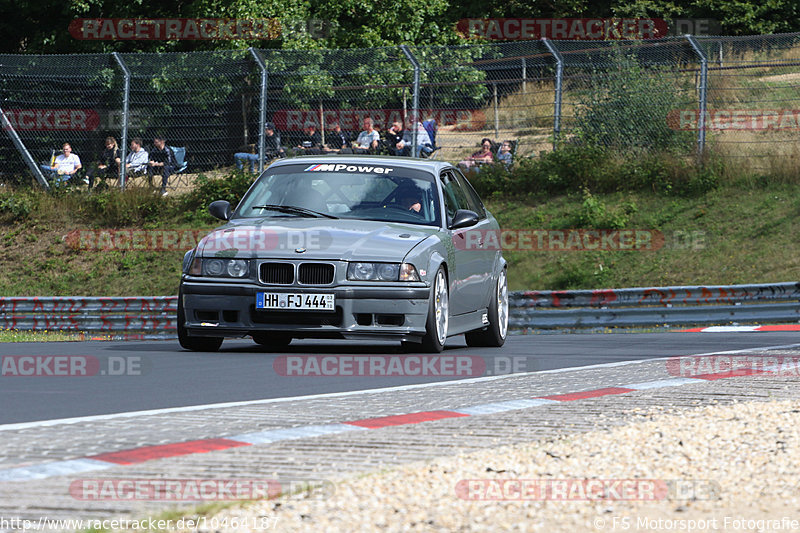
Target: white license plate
295, 301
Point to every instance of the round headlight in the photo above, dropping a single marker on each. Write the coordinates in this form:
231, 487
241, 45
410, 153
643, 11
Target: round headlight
363, 271
388, 272
215, 267
237, 268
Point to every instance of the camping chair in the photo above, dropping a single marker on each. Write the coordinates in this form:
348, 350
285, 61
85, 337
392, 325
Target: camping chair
180, 167
180, 158
429, 151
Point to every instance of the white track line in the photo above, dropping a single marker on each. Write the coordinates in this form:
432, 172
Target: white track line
190, 408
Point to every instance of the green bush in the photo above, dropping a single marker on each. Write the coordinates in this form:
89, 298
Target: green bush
231, 188
134, 206
595, 214
627, 105
19, 206
597, 169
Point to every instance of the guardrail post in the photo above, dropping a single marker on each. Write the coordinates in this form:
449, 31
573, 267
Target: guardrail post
415, 99
26, 155
262, 112
126, 96
557, 99
703, 90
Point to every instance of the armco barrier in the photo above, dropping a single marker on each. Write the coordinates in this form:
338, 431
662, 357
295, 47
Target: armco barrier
129, 314
655, 306
530, 310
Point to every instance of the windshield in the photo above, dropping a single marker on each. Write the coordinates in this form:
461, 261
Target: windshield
366, 192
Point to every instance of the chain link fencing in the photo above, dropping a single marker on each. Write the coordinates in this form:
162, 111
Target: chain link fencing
754, 100
733, 96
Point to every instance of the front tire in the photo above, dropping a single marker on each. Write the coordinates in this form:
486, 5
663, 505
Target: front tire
438, 315
272, 340
494, 335
189, 342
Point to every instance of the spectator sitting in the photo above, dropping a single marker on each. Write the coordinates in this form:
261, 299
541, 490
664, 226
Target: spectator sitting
484, 155
272, 149
337, 139
311, 141
136, 161
108, 167
394, 136
504, 154
367, 140
423, 140
65, 165
162, 160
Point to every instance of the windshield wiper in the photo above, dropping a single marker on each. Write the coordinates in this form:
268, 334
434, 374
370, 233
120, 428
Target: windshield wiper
294, 210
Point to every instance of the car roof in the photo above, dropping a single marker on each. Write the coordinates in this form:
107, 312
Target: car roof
409, 162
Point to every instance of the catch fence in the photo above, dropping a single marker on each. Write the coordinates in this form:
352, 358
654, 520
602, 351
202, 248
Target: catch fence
737, 96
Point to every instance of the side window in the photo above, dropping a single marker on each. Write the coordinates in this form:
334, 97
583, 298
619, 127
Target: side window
454, 198
472, 196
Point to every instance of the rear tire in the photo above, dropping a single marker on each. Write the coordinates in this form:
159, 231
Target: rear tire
189, 342
494, 335
438, 315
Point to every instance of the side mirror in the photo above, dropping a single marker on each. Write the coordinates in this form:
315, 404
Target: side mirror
220, 209
464, 218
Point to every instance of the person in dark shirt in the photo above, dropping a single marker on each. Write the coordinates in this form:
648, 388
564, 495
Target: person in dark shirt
108, 167
337, 139
310, 142
272, 149
162, 161
394, 136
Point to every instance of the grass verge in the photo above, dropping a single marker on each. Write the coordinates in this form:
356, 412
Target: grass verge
715, 226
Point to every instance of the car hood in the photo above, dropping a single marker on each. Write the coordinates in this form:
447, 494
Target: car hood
307, 238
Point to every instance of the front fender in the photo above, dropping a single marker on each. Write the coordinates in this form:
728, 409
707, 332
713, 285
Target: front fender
427, 256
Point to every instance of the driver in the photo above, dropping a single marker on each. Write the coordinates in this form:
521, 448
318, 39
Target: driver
410, 198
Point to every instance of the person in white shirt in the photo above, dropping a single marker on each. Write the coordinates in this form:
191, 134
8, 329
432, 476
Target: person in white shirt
137, 159
368, 139
65, 165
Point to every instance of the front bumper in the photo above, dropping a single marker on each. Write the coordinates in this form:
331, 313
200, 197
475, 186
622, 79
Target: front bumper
228, 310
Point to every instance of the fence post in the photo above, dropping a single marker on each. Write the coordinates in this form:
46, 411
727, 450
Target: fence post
262, 112
524, 76
322, 124
557, 100
126, 97
701, 122
496, 111
415, 99
26, 155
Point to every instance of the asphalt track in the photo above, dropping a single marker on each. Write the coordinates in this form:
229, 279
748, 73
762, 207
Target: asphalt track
159, 374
